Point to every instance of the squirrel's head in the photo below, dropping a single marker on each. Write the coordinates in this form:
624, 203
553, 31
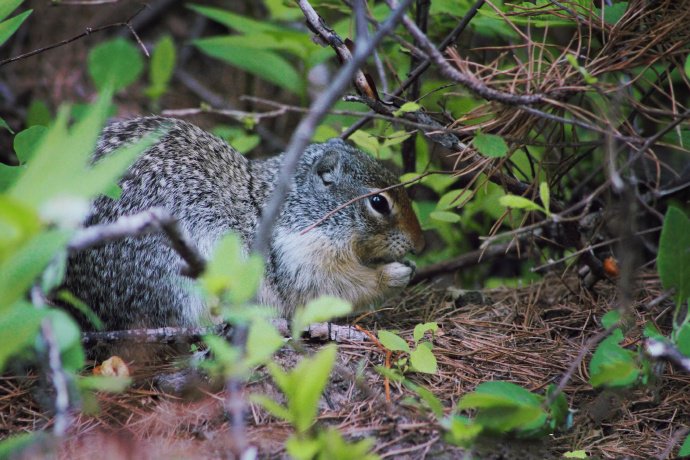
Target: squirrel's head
380, 228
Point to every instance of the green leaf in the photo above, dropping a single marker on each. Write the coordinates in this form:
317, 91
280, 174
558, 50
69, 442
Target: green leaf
685, 448
272, 407
301, 448
320, 310
428, 397
262, 341
686, 67
235, 21
673, 260
7, 6
490, 145
108, 384
613, 365
683, 339
575, 454
445, 216
461, 431
230, 273
304, 393
420, 329
393, 342
19, 325
504, 406
161, 67
10, 26
452, 199
262, 63
13, 446
545, 195
407, 107
4, 125
366, 142
115, 64
20, 269
26, 142
18, 223
423, 360
610, 318
519, 202
38, 114
613, 13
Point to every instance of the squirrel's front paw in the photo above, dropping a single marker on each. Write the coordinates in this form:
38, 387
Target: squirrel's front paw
396, 275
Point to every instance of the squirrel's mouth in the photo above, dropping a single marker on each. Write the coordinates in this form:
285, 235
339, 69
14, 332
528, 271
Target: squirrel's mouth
378, 261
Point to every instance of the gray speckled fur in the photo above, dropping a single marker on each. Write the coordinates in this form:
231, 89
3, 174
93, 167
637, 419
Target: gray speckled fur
211, 189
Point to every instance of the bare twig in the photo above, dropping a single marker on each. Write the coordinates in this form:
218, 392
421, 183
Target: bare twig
87, 32
469, 81
591, 343
238, 115
153, 220
421, 68
57, 375
318, 332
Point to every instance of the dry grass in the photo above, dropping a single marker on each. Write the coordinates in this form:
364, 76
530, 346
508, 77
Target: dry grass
528, 336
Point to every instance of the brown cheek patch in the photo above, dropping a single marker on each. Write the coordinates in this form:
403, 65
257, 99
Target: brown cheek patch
408, 220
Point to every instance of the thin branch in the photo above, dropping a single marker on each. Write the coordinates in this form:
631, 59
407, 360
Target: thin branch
238, 115
152, 220
57, 375
87, 32
467, 80
591, 343
421, 68
319, 332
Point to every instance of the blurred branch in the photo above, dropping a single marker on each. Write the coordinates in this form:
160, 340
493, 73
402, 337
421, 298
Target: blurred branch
57, 376
663, 350
152, 220
88, 31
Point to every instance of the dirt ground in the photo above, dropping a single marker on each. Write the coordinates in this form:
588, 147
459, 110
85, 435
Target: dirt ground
529, 336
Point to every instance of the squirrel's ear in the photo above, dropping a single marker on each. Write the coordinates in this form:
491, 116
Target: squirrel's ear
327, 167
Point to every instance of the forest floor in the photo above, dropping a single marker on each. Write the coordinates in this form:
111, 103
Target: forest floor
529, 336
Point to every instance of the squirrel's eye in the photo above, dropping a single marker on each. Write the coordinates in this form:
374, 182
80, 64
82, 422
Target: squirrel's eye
380, 204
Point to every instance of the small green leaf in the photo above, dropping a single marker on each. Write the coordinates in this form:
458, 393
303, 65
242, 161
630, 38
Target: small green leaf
428, 397
683, 339
610, 318
271, 406
575, 454
115, 64
161, 67
420, 329
490, 145
445, 216
26, 142
13, 446
407, 107
262, 63
612, 365
393, 342
104, 383
673, 261
685, 448
613, 13
453, 199
366, 142
10, 26
18, 325
545, 195
262, 341
461, 431
38, 114
305, 393
4, 125
423, 360
519, 202
7, 6
686, 67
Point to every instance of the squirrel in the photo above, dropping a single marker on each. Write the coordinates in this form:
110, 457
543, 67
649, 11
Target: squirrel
211, 189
